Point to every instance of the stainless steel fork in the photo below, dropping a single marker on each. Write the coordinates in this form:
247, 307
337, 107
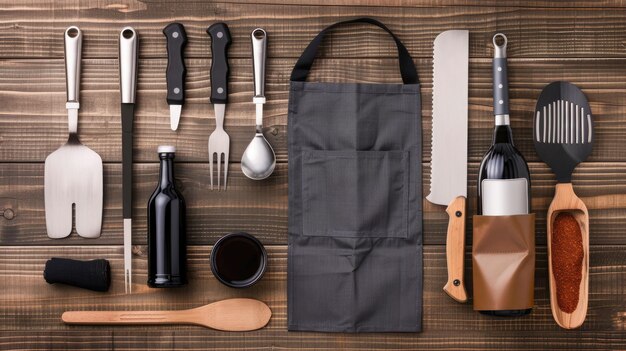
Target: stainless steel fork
219, 142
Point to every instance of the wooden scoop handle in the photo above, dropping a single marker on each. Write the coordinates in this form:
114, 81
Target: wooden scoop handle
126, 317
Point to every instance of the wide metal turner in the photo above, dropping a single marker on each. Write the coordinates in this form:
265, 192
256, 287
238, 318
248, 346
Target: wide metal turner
73, 173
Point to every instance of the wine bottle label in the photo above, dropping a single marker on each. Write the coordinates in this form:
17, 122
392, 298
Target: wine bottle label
504, 197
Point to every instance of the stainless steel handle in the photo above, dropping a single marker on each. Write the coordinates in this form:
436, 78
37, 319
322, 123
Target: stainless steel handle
128, 64
73, 48
259, 49
499, 50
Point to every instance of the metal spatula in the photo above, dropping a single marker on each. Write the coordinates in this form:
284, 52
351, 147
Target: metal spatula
73, 173
563, 136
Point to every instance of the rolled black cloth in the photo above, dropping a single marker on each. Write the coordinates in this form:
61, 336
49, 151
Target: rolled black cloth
93, 275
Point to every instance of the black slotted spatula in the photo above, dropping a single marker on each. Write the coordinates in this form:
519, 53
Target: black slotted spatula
563, 137
563, 128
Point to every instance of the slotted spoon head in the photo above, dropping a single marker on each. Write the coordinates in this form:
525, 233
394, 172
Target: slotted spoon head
563, 128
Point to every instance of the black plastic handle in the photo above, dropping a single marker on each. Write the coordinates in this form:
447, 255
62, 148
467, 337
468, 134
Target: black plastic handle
128, 112
500, 76
304, 63
93, 275
220, 40
176, 70
500, 87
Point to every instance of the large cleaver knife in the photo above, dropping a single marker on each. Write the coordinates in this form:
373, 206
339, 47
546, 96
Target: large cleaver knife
448, 169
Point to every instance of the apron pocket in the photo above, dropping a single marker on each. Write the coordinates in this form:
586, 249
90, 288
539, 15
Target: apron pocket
355, 193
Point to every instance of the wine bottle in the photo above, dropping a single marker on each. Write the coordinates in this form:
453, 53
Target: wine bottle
503, 178
167, 247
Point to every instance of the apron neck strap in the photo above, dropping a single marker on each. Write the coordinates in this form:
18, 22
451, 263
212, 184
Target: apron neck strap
303, 66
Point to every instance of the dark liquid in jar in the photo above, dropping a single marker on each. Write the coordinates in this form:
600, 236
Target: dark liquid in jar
238, 260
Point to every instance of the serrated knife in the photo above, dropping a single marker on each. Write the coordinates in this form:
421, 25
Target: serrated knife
448, 169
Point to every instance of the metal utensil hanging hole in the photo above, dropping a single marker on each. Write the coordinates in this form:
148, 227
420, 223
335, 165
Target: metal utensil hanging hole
456, 282
500, 40
128, 34
259, 33
72, 32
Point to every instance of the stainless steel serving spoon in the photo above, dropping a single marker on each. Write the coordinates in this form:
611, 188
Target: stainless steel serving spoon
258, 161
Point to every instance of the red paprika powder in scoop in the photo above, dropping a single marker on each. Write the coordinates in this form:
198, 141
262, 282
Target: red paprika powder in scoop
567, 260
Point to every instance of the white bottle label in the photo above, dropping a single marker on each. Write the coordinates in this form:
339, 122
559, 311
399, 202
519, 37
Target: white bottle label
504, 197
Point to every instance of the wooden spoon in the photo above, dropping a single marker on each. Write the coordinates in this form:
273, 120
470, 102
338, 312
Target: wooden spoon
565, 200
225, 315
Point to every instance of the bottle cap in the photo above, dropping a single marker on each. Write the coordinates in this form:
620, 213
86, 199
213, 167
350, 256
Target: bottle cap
166, 149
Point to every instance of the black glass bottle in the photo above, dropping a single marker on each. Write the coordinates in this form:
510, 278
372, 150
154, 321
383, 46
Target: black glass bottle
167, 246
503, 177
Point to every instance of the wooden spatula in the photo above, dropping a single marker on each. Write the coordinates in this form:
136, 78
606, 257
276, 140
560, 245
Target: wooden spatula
225, 315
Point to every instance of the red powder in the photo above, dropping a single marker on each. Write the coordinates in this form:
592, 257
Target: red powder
567, 260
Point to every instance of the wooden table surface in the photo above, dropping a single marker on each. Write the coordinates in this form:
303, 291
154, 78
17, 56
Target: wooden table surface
580, 41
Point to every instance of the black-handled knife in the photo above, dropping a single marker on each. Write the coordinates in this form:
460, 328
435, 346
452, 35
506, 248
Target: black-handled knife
220, 40
176, 70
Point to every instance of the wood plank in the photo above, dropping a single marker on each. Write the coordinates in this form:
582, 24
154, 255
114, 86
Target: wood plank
261, 207
164, 339
34, 120
430, 3
136, 5
31, 32
29, 302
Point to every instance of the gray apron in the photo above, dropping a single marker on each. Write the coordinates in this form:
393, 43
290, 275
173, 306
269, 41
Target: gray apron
355, 201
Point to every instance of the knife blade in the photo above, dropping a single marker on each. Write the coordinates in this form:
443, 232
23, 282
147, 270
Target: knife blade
176, 71
448, 171
128, 86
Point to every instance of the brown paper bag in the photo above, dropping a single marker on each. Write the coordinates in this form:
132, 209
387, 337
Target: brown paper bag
503, 258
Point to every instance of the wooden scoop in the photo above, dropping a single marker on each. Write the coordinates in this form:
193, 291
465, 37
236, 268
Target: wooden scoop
225, 315
565, 200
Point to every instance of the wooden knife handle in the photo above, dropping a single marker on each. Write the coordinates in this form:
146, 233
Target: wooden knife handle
455, 249
124, 317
